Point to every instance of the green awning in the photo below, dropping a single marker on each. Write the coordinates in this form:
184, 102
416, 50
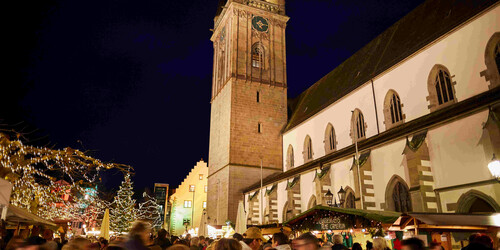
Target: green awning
381, 216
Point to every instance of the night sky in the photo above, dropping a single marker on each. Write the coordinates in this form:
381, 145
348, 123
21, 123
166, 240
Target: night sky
131, 80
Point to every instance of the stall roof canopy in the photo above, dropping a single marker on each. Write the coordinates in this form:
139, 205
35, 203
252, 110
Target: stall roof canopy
447, 219
19, 215
382, 216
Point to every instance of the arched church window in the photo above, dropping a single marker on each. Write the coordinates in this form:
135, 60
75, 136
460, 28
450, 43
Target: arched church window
401, 198
349, 201
393, 111
329, 139
308, 152
257, 55
492, 61
358, 126
289, 158
441, 88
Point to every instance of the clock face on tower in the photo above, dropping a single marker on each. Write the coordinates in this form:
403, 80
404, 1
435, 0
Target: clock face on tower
259, 23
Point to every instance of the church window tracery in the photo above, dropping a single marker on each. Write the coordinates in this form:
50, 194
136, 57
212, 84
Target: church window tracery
257, 55
393, 111
441, 88
308, 152
289, 158
358, 126
329, 138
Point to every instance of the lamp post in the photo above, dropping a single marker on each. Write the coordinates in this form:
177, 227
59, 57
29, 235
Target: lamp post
329, 198
341, 193
494, 167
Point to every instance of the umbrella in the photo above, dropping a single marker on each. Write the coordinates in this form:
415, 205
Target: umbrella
105, 225
202, 230
241, 222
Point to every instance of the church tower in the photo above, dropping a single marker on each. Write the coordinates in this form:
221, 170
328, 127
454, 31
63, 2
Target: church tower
249, 101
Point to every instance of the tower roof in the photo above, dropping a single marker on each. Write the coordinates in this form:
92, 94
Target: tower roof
424, 24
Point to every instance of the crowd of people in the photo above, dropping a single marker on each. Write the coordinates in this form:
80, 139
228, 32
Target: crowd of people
140, 238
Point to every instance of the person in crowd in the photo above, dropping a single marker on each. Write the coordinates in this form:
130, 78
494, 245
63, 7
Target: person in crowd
50, 244
479, 241
379, 244
203, 242
280, 241
103, 243
77, 243
435, 246
306, 241
138, 236
188, 238
337, 242
174, 239
412, 244
178, 247
253, 239
228, 244
194, 243
356, 246
162, 239
267, 246
369, 245
238, 237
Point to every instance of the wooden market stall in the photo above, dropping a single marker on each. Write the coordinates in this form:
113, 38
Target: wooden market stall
450, 230
355, 225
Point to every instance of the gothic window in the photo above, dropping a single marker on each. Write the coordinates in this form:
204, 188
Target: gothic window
441, 88
289, 158
329, 139
393, 112
349, 201
492, 61
257, 55
308, 152
401, 198
358, 126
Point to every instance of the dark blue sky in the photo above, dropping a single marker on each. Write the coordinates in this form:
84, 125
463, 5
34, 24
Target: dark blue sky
131, 79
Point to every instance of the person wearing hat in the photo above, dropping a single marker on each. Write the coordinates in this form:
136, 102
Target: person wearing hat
252, 239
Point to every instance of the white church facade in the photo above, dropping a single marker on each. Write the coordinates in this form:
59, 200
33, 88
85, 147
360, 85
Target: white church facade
424, 115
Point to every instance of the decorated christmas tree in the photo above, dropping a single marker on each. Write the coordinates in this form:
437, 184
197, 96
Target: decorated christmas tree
123, 213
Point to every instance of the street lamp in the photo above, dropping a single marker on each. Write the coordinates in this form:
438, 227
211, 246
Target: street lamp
329, 198
494, 167
341, 193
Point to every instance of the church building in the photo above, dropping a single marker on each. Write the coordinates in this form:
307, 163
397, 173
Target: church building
410, 122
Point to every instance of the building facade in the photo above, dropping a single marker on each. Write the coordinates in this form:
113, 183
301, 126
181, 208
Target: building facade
249, 101
420, 102
189, 200
161, 195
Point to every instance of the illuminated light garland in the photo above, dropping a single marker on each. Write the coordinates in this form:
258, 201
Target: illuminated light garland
34, 171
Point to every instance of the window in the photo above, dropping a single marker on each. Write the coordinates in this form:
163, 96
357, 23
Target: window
329, 139
259, 127
187, 204
401, 198
358, 126
441, 88
204, 204
191, 188
257, 55
393, 112
349, 201
201, 177
258, 96
308, 152
206, 188
492, 61
289, 158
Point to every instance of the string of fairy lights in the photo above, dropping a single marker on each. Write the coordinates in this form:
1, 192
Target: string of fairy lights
43, 178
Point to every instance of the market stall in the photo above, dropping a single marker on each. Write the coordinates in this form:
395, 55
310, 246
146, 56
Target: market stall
269, 229
355, 225
16, 216
450, 230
